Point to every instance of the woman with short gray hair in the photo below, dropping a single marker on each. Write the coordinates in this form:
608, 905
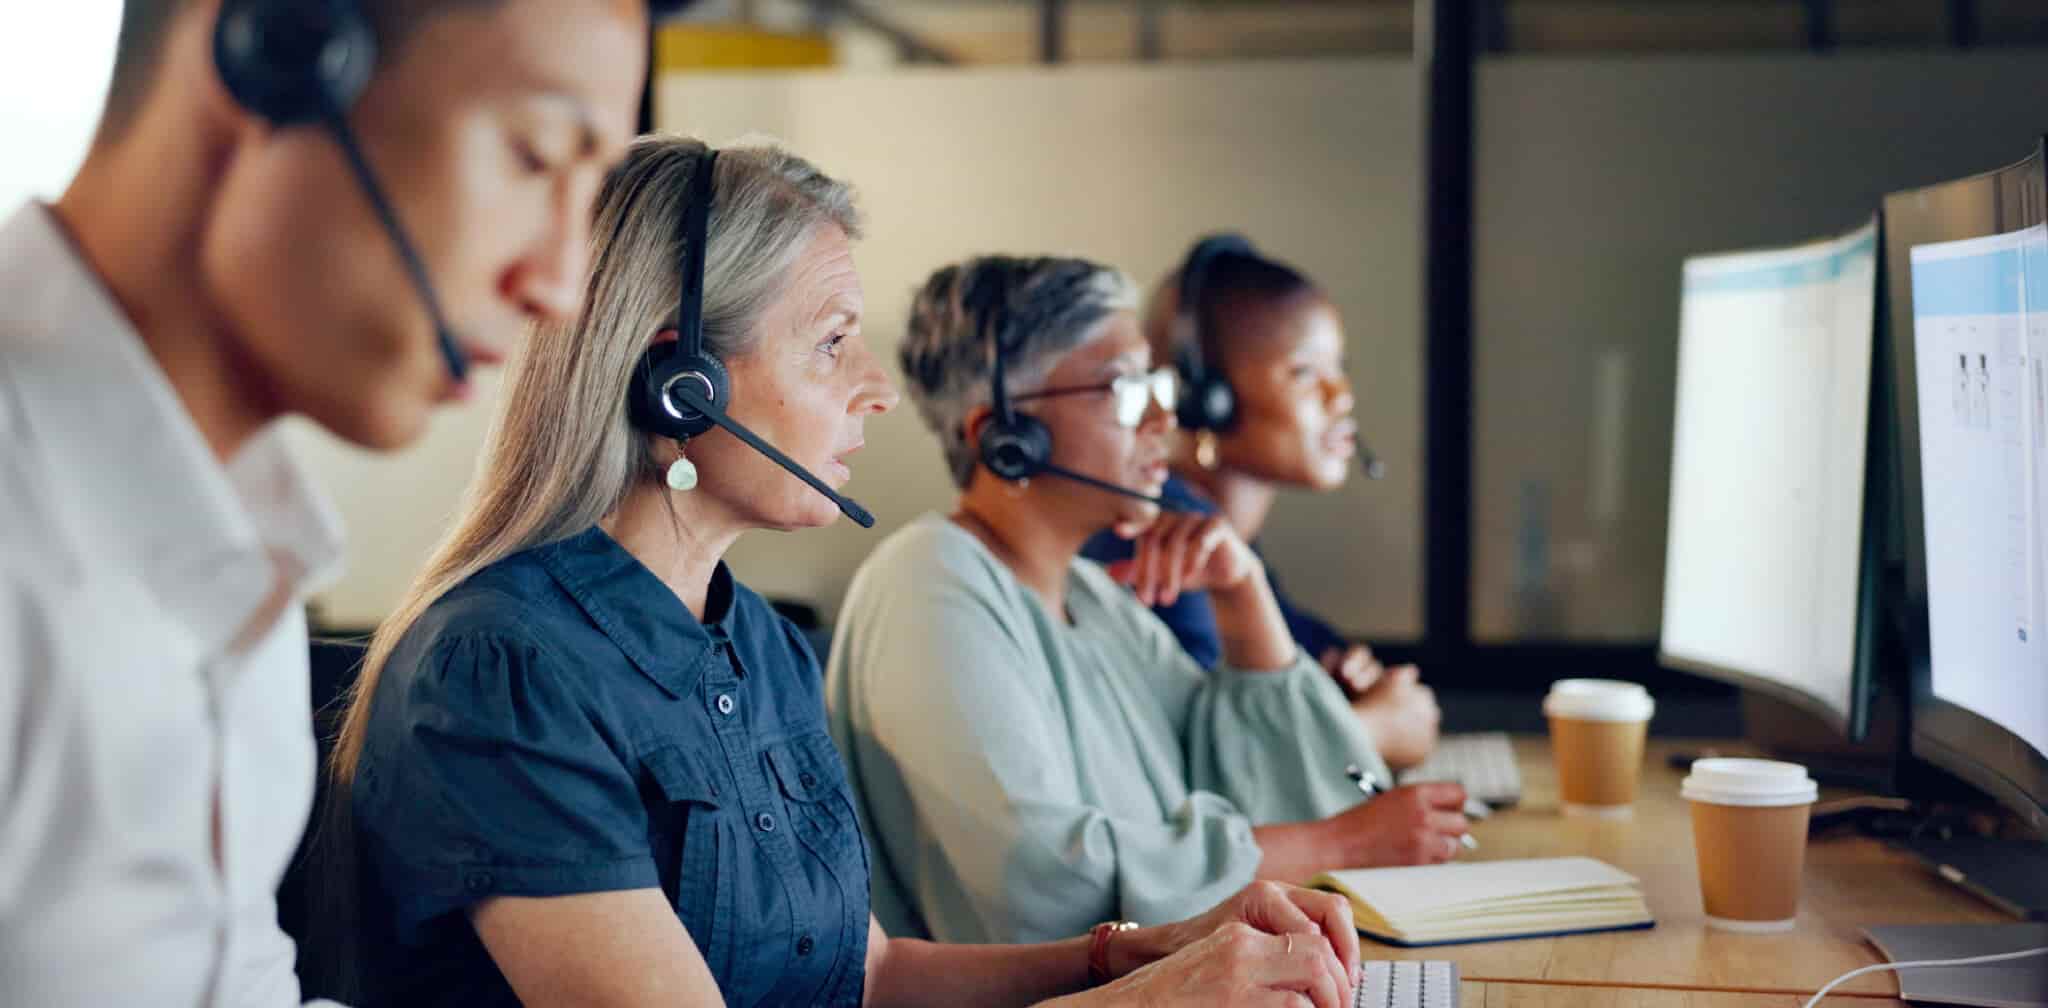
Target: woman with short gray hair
1059, 303
1034, 749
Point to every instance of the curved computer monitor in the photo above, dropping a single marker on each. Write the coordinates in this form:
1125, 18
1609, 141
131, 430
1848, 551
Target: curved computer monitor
1967, 320
1769, 582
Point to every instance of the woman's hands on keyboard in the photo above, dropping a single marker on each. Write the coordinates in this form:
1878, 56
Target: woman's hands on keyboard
1269, 941
1236, 964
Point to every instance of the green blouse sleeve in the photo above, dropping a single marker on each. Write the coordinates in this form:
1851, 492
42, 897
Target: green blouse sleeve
1274, 742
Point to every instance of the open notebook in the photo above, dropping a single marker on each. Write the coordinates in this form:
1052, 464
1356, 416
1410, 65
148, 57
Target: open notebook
1489, 900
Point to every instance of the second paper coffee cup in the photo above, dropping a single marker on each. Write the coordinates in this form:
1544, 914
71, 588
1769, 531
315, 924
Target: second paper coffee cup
1597, 727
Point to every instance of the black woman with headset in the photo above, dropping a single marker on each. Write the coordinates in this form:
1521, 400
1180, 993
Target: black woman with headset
585, 764
1260, 349
1033, 749
316, 207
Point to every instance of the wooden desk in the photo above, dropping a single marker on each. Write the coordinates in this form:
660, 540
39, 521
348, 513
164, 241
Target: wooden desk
1849, 883
1478, 994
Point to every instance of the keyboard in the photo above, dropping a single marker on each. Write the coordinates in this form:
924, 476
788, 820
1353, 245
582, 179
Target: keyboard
1431, 984
1484, 763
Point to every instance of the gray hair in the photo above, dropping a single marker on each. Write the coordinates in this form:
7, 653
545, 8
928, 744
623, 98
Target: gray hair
1034, 310
561, 452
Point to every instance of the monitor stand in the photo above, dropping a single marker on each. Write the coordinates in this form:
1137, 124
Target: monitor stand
1790, 733
2021, 983
1786, 732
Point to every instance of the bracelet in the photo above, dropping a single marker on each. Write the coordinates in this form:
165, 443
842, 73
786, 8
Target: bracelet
1098, 949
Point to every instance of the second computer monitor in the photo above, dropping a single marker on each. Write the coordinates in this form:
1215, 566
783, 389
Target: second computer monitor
1766, 579
1967, 263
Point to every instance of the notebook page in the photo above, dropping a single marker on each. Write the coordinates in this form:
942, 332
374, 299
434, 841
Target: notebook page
1423, 889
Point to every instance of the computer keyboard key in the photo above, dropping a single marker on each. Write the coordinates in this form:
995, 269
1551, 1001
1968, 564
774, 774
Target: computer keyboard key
1426, 984
1483, 762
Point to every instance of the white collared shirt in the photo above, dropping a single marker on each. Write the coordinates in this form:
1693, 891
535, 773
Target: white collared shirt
156, 751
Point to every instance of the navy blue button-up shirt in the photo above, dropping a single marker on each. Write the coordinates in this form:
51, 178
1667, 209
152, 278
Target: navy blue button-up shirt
560, 723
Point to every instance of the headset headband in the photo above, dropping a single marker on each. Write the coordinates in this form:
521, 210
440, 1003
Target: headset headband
696, 231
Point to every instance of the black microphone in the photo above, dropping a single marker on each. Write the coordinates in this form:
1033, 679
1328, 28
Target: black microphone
694, 399
1086, 480
1369, 461
415, 268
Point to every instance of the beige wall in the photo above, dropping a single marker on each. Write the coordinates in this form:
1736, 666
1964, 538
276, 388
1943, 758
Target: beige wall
1596, 177
395, 507
53, 80
1316, 161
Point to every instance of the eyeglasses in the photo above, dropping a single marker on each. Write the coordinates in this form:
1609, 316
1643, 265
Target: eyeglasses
1131, 394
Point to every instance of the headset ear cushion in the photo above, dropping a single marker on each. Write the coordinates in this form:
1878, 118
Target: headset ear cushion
712, 379
1208, 404
1016, 450
1219, 402
293, 62
652, 410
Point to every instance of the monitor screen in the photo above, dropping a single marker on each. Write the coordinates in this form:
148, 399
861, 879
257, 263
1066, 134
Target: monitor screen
1967, 267
1763, 575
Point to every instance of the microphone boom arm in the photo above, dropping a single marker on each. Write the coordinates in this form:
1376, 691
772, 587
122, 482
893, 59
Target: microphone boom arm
694, 399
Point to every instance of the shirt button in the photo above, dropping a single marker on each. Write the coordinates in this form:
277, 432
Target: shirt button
766, 822
804, 945
725, 704
479, 882
807, 779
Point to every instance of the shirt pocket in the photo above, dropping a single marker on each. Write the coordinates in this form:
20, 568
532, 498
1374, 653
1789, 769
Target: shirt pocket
705, 859
814, 782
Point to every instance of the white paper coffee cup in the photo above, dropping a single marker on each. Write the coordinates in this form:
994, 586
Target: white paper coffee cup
1749, 820
1597, 731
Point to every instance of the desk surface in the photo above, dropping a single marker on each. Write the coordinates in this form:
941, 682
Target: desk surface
1849, 883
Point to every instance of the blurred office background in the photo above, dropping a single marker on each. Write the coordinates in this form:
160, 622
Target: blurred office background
1525, 422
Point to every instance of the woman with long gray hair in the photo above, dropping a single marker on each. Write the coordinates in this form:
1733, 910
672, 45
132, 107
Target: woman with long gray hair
1034, 748
585, 765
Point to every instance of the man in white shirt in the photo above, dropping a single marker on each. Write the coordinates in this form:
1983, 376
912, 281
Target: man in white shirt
209, 271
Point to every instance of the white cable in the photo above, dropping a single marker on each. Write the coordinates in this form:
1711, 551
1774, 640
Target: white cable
1882, 967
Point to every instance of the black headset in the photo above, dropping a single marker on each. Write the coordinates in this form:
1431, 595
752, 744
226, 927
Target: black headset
305, 62
1016, 446
680, 389
664, 367
1207, 401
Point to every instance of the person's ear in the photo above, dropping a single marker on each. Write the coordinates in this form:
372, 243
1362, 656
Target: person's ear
976, 421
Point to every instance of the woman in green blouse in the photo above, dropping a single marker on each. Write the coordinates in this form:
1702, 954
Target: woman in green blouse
1034, 749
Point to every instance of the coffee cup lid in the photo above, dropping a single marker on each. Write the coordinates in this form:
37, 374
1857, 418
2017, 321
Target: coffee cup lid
1598, 700
1726, 781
